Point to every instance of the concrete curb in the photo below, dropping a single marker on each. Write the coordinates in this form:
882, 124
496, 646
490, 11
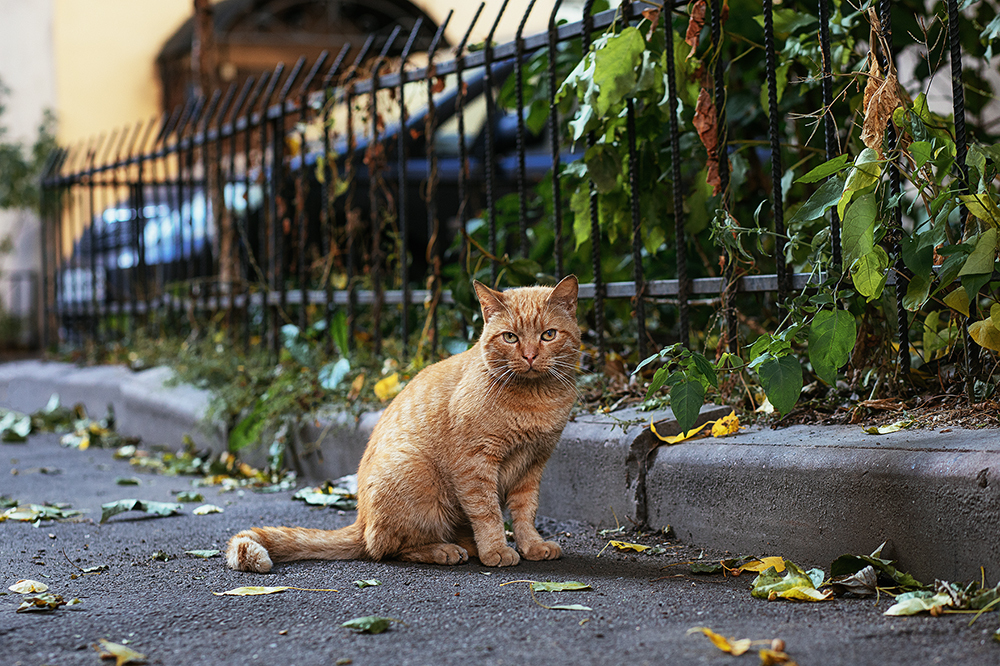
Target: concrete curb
809, 493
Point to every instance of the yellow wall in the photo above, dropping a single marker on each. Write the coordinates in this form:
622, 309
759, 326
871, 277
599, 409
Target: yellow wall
105, 54
105, 62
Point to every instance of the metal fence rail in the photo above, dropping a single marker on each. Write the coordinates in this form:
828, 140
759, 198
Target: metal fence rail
243, 204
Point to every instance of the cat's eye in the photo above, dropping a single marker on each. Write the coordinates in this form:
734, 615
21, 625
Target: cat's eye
549, 335
509, 337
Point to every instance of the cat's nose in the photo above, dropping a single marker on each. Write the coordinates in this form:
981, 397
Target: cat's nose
530, 355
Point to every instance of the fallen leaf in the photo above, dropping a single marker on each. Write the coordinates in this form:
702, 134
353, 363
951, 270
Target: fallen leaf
25, 586
795, 584
203, 554
120, 653
127, 481
763, 564
41, 603
189, 496
770, 657
886, 429
727, 425
31, 513
370, 624
676, 439
549, 586
206, 509
625, 546
250, 591
730, 645
920, 601
154, 508
388, 387
861, 583
570, 607
371, 582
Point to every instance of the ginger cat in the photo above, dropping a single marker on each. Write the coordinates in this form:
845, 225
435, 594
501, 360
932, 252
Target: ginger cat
466, 436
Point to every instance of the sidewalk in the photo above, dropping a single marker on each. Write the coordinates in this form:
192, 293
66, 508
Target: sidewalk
808, 493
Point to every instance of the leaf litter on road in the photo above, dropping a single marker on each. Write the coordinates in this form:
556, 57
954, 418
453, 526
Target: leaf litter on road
160, 509
122, 654
769, 656
26, 586
550, 586
44, 603
370, 624
253, 591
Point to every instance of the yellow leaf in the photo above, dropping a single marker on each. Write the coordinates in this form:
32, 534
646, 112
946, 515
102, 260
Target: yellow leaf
995, 314
774, 657
388, 387
206, 509
675, 439
985, 334
886, 429
250, 591
958, 301
730, 645
727, 425
805, 594
121, 654
764, 564
623, 545
25, 586
983, 207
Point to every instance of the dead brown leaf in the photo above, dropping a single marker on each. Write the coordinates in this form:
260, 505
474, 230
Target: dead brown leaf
882, 92
653, 16
695, 24
706, 122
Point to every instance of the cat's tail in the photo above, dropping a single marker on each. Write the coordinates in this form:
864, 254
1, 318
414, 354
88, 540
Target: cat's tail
257, 548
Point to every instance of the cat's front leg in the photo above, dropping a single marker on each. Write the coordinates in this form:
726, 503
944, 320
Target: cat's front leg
478, 494
522, 501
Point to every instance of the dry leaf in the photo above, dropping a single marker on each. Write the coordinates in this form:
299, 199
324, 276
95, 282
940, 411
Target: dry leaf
706, 122
624, 546
121, 654
772, 657
250, 591
762, 564
206, 509
695, 24
676, 439
881, 91
730, 645
25, 586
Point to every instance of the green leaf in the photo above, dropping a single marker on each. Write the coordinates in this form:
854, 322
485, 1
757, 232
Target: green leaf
866, 173
921, 151
958, 300
850, 564
917, 292
570, 607
190, 496
706, 368
615, 66
869, 274
339, 331
370, 624
549, 586
857, 236
659, 379
202, 554
371, 582
782, 381
686, 399
604, 165
248, 430
831, 339
825, 169
822, 200
983, 255
995, 314
153, 508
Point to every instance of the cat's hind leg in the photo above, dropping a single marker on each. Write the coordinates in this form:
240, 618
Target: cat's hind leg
435, 553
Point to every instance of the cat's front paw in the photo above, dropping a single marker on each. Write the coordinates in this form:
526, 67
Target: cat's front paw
542, 550
504, 556
246, 554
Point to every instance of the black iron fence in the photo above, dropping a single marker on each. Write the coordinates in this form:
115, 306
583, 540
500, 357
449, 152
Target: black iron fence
372, 183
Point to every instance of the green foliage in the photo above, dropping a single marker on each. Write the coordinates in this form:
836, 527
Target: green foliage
22, 166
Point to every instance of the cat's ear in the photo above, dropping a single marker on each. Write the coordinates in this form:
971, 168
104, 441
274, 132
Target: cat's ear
565, 293
490, 300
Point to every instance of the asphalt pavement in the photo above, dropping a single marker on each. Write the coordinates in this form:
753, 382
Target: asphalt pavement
159, 601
